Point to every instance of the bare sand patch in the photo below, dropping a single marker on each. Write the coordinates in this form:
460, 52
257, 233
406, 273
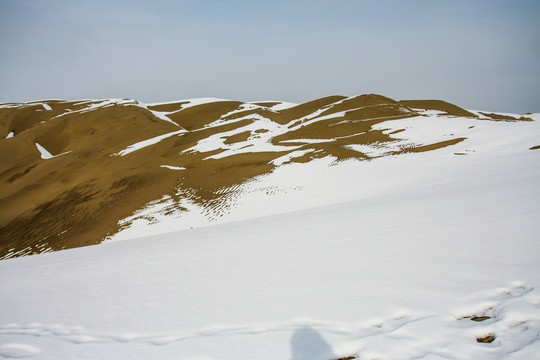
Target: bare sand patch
267, 103
243, 136
168, 107
359, 102
494, 116
198, 116
440, 105
259, 111
486, 339
504, 117
287, 115
430, 147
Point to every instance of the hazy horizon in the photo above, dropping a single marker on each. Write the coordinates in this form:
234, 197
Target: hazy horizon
476, 54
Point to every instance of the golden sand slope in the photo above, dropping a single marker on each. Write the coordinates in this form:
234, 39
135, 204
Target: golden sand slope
77, 197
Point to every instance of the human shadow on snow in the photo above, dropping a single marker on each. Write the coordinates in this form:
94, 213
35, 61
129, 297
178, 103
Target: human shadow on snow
308, 344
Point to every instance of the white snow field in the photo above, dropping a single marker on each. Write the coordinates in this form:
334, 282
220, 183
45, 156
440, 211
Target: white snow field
393, 258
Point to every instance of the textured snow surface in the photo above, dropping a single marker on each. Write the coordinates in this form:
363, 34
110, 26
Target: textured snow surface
385, 259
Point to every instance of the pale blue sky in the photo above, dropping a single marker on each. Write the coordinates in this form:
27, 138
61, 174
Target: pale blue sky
477, 54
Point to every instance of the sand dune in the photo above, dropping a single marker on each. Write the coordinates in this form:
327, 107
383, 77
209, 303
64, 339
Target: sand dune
78, 194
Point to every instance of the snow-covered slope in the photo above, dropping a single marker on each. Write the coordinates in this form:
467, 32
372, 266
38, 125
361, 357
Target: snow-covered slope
422, 252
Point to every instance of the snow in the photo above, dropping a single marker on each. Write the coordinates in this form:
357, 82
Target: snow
190, 102
417, 131
33, 103
314, 117
161, 215
286, 158
284, 182
479, 113
283, 105
44, 153
97, 104
261, 142
10, 105
17, 350
430, 112
10, 135
242, 108
257, 142
280, 105
373, 150
163, 116
386, 259
173, 167
145, 143
200, 101
307, 141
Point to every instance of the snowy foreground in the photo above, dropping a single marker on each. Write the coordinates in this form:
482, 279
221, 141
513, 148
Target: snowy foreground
381, 259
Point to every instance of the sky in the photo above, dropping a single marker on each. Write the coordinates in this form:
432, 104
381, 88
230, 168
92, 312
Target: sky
479, 54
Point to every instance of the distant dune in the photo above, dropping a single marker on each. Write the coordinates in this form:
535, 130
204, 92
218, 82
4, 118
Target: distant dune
72, 170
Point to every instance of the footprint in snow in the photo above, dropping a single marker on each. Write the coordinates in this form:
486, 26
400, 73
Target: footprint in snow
17, 351
507, 319
512, 317
517, 289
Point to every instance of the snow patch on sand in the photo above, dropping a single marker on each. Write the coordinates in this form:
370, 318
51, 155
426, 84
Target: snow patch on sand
163, 116
146, 143
44, 153
162, 216
256, 142
200, 101
242, 108
173, 167
283, 105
